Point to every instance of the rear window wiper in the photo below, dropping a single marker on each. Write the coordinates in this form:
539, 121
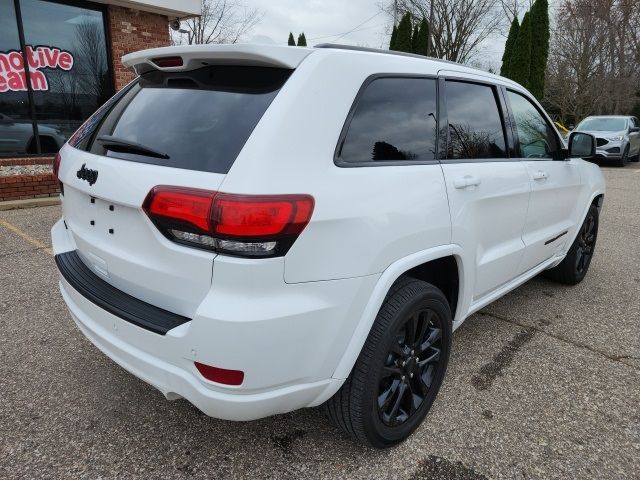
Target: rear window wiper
115, 144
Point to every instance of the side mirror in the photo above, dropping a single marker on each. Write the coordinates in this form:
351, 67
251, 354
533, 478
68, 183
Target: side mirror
634, 130
582, 145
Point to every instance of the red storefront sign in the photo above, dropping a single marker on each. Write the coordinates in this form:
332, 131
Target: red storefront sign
12, 76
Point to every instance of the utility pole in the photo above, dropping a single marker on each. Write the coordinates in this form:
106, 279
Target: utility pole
395, 13
430, 51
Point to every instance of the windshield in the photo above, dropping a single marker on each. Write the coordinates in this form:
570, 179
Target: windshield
602, 124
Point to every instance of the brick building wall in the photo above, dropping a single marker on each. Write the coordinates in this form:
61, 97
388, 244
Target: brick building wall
131, 30
22, 187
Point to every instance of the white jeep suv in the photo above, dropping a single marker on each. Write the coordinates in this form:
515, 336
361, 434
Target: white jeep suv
259, 229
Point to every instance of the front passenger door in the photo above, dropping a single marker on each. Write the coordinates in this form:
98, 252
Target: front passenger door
555, 183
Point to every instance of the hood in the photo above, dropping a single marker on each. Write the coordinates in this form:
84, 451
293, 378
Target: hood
604, 134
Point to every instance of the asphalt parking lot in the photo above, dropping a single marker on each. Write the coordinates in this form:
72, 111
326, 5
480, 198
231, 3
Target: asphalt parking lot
544, 383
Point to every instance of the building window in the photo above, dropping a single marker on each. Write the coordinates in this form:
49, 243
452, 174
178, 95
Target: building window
65, 47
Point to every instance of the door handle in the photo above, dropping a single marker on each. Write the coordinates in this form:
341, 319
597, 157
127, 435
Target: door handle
540, 175
466, 181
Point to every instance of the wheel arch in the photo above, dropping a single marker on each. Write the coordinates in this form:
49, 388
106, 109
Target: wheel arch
417, 265
596, 199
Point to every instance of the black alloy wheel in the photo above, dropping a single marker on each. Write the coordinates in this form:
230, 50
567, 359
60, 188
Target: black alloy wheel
410, 367
400, 369
575, 265
586, 243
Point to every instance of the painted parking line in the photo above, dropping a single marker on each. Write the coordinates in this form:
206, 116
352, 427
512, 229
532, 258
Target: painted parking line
33, 241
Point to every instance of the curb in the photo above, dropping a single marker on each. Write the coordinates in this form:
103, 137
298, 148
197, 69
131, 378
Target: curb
29, 203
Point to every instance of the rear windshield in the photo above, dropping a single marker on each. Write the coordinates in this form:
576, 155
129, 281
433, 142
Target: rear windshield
197, 120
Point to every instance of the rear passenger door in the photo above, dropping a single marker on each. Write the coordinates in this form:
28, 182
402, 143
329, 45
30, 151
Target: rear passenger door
488, 191
555, 183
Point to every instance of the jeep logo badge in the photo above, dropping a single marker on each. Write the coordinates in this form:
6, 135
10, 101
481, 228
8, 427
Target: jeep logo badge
87, 174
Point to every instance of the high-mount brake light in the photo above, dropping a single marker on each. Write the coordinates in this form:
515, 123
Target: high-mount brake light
240, 225
167, 62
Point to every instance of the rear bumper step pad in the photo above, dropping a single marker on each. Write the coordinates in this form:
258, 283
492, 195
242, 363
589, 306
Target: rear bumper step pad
115, 301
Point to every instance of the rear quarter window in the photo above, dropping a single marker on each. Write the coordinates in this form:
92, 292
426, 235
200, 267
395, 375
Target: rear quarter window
394, 120
199, 119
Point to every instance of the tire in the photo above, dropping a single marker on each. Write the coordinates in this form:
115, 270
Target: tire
622, 161
575, 265
379, 376
635, 158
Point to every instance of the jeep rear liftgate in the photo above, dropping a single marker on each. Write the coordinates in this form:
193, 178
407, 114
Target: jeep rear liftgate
157, 133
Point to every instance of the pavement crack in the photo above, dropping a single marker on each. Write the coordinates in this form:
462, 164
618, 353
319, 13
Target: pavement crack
501, 360
614, 358
439, 467
285, 442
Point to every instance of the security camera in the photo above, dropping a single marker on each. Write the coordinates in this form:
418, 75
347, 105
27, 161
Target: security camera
175, 24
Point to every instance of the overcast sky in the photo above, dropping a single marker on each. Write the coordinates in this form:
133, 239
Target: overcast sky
321, 18
354, 22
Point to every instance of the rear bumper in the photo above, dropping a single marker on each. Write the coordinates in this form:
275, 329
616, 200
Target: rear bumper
288, 339
175, 382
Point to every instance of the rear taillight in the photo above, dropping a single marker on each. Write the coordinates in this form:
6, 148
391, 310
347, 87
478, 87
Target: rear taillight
241, 225
56, 164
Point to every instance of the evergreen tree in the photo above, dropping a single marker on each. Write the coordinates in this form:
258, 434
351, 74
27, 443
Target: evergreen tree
292, 42
403, 38
394, 36
539, 46
414, 39
520, 63
422, 43
302, 40
508, 46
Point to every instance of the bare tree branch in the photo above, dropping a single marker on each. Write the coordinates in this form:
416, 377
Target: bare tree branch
594, 59
460, 26
221, 21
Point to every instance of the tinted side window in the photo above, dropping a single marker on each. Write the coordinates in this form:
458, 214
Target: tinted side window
475, 123
537, 138
394, 120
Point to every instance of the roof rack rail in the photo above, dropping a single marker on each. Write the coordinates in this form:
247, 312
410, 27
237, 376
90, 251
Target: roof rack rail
338, 46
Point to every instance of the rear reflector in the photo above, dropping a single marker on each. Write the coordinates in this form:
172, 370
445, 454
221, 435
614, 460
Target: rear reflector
166, 62
241, 225
220, 375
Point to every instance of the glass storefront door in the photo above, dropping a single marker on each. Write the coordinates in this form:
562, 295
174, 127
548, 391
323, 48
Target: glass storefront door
69, 68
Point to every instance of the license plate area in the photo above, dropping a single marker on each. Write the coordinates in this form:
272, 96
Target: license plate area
103, 216
97, 221
120, 244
